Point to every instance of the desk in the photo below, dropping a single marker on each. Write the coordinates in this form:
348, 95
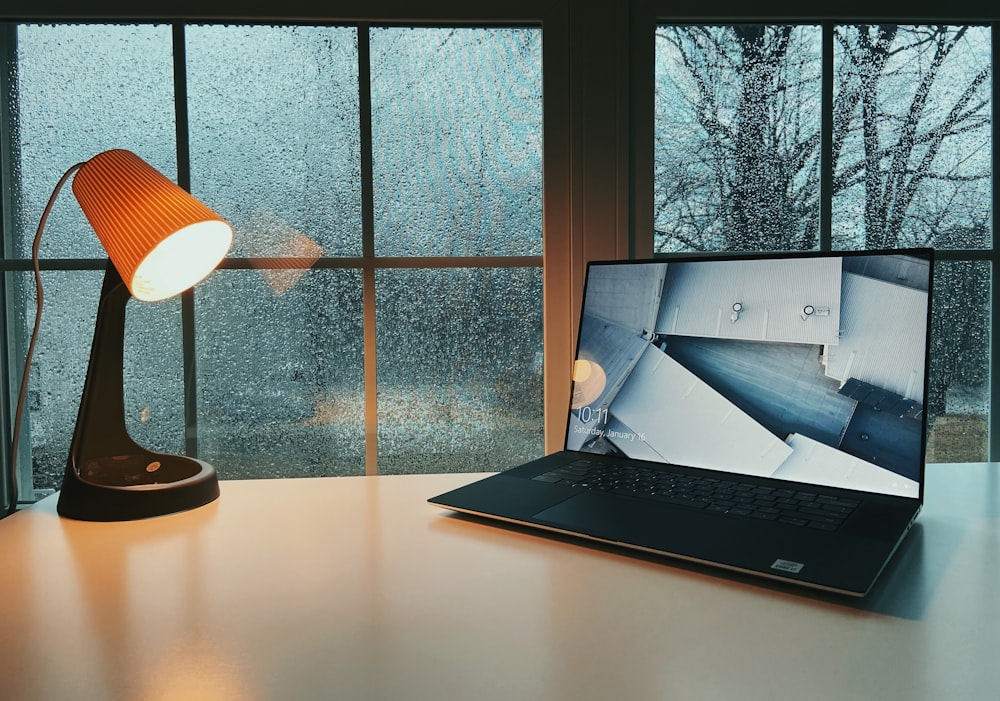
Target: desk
355, 588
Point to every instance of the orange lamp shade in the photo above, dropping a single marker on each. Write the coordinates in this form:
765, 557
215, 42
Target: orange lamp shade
160, 238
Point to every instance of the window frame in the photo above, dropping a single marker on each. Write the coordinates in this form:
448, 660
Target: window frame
598, 125
555, 213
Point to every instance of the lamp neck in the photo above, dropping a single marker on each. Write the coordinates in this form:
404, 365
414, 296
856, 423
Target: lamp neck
103, 390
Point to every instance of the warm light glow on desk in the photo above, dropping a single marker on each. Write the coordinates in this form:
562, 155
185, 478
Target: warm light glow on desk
160, 238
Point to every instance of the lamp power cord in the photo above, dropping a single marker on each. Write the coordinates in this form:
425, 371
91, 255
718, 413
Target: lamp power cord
12, 481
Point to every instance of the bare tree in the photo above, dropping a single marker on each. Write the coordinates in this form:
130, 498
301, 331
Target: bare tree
743, 171
904, 146
750, 178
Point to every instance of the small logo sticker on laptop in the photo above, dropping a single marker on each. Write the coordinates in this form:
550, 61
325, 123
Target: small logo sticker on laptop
787, 566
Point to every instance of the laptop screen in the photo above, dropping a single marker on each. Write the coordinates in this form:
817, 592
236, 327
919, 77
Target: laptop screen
806, 367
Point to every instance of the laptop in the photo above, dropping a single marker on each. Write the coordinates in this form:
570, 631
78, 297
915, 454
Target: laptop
760, 413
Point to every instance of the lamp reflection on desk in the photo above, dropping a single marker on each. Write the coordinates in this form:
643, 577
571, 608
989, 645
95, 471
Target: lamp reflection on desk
160, 241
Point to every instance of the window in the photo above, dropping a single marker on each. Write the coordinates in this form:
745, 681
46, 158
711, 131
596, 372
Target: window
605, 189
381, 310
838, 136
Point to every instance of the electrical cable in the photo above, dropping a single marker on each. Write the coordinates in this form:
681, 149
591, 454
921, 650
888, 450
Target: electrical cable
39, 300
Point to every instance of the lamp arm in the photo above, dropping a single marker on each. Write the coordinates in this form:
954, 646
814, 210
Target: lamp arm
100, 428
39, 301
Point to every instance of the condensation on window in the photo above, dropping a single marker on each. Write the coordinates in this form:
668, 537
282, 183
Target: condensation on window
275, 136
457, 141
273, 119
154, 375
737, 127
739, 137
912, 121
959, 403
59, 365
459, 369
280, 376
81, 90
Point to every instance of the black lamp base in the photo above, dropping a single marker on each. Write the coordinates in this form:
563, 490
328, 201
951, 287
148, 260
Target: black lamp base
108, 476
137, 485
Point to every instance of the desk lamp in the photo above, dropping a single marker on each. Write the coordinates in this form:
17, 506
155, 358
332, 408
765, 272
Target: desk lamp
160, 241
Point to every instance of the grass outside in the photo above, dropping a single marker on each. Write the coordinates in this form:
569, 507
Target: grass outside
958, 438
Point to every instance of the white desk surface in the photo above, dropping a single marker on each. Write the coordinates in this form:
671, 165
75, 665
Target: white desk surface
355, 588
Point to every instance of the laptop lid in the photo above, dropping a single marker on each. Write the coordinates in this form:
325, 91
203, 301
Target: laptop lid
809, 367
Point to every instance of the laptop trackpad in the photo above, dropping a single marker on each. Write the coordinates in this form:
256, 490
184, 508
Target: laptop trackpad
629, 521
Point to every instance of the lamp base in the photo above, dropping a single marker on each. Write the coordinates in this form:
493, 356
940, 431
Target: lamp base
138, 485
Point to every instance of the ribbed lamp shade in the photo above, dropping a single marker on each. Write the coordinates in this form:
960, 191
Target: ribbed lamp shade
160, 238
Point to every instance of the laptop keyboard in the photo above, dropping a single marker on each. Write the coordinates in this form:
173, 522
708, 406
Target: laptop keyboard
723, 495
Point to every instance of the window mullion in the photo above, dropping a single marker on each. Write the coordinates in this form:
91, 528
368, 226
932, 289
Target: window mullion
368, 249
826, 163
993, 440
183, 147
12, 348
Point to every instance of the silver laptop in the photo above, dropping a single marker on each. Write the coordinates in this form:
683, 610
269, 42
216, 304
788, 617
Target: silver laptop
761, 413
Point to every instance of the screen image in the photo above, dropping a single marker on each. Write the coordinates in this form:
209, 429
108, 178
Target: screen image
809, 368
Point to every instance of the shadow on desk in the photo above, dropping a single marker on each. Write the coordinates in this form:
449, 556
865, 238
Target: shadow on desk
908, 584
904, 590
